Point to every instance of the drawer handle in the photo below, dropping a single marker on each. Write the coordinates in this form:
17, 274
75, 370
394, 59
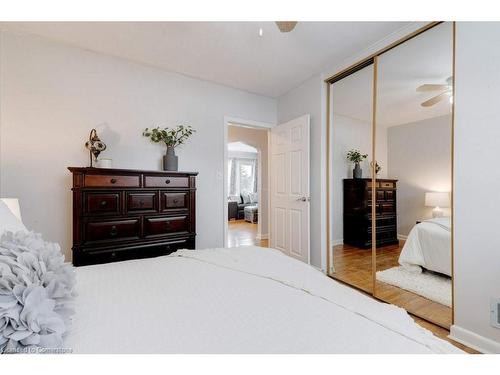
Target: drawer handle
104, 203
113, 180
113, 232
167, 181
141, 203
176, 201
113, 255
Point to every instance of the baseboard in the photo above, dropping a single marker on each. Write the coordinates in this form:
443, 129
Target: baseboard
402, 237
337, 242
262, 236
473, 340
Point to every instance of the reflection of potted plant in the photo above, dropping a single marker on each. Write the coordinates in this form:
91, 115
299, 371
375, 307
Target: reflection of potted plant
172, 138
356, 157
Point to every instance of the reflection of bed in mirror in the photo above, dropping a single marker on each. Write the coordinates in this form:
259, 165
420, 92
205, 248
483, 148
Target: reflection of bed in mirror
428, 246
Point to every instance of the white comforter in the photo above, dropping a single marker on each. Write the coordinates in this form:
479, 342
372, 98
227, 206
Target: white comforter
241, 300
428, 246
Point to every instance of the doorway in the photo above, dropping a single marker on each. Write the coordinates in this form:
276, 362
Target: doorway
246, 184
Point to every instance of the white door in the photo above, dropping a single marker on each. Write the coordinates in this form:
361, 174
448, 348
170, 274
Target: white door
290, 199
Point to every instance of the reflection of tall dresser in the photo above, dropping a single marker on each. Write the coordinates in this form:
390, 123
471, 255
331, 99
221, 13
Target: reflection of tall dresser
358, 212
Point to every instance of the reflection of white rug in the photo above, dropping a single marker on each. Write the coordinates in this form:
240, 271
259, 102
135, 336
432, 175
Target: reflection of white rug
429, 285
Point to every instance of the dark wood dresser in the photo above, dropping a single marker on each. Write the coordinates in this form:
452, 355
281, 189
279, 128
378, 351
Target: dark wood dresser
121, 214
358, 212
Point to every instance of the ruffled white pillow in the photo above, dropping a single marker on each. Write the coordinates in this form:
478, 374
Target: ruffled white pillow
36, 293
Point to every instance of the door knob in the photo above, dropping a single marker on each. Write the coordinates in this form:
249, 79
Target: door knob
304, 199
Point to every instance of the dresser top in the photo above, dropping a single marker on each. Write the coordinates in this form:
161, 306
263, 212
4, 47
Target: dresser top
94, 170
369, 179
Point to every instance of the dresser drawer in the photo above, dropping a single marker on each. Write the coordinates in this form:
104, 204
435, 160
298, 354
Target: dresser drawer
97, 180
174, 182
102, 203
387, 208
157, 226
380, 195
174, 200
389, 195
387, 185
112, 230
97, 255
142, 202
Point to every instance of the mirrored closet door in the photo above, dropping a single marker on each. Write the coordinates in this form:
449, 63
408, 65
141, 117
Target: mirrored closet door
350, 177
390, 159
413, 150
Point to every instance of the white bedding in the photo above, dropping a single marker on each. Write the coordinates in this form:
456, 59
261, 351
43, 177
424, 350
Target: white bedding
428, 246
241, 300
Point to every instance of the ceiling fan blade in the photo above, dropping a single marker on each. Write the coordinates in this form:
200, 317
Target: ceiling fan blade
435, 99
432, 87
286, 26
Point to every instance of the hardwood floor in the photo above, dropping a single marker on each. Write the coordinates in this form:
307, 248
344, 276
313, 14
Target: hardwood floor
353, 266
442, 333
387, 257
243, 233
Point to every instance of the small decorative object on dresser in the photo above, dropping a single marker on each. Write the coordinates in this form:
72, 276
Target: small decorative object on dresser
95, 146
172, 138
121, 214
354, 156
378, 168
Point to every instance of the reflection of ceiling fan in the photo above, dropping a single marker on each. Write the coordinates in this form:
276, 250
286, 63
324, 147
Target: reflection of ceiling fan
286, 26
446, 92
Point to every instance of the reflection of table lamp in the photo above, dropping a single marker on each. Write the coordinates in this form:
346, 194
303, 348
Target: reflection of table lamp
438, 201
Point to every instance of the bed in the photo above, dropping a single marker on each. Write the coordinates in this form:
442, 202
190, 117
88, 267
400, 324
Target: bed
239, 300
428, 246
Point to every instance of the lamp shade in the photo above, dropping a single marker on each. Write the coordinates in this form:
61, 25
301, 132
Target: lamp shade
436, 199
13, 205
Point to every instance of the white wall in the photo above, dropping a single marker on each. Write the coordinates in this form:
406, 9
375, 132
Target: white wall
256, 138
419, 156
53, 94
308, 99
477, 182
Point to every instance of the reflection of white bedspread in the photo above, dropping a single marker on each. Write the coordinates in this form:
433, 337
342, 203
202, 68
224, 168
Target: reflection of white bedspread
428, 246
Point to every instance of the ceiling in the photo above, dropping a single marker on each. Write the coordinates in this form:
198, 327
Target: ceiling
228, 53
426, 58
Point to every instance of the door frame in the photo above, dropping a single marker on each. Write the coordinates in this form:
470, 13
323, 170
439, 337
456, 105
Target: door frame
229, 120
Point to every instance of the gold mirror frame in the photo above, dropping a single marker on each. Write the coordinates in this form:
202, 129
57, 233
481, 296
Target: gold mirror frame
369, 60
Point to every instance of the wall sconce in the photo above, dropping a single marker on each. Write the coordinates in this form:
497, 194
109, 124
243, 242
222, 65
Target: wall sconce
94, 145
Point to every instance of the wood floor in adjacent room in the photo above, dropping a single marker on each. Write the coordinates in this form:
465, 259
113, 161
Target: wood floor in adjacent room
243, 233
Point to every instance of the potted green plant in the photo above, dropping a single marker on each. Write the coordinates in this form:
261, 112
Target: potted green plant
356, 157
172, 137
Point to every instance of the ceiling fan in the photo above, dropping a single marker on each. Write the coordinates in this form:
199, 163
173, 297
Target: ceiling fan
286, 26
446, 92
